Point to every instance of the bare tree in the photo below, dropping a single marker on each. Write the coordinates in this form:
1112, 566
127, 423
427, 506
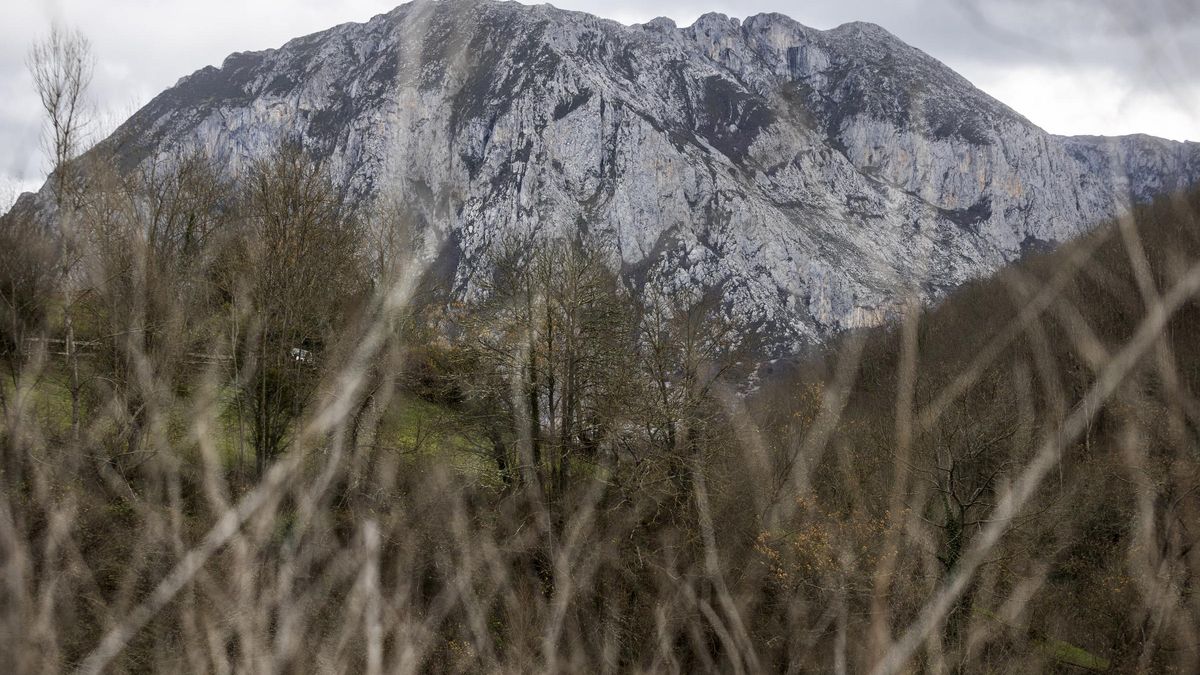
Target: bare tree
27, 282
27, 286
557, 327
62, 66
149, 248
299, 269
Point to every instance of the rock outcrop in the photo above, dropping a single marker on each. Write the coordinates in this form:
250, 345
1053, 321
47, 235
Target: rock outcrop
811, 177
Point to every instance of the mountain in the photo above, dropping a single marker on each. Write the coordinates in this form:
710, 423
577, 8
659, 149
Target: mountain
812, 177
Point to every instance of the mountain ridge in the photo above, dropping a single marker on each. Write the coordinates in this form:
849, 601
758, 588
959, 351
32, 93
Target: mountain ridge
812, 177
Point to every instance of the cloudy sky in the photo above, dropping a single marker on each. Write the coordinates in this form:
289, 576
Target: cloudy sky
1071, 66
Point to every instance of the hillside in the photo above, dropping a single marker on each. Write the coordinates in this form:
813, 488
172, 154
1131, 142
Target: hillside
1000, 371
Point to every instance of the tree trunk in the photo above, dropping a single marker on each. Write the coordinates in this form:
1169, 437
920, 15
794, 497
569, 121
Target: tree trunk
73, 364
534, 412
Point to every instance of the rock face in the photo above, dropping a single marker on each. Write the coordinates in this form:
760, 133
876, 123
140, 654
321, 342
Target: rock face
812, 177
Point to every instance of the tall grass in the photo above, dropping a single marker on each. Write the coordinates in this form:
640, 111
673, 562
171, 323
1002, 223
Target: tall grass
1006, 482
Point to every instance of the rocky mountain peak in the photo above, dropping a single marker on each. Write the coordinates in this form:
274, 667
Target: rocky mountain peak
811, 177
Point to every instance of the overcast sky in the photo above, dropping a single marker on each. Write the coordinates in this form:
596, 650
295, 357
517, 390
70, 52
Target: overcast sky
1071, 66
